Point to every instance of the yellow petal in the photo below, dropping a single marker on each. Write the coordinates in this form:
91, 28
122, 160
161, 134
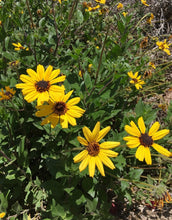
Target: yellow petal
130, 138
32, 74
161, 150
148, 158
109, 144
87, 134
71, 119
2, 214
154, 128
103, 132
160, 134
84, 163
75, 111
140, 153
27, 79
109, 153
132, 131
95, 132
73, 101
54, 74
63, 121
48, 73
99, 165
81, 156
40, 72
141, 125
54, 119
91, 167
67, 96
82, 141
58, 79
30, 97
130, 74
45, 110
107, 162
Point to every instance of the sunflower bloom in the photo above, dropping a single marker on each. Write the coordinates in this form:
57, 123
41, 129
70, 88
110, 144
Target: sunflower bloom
7, 94
144, 140
39, 85
125, 14
2, 214
95, 154
101, 1
59, 110
136, 80
144, 2
164, 46
120, 6
18, 46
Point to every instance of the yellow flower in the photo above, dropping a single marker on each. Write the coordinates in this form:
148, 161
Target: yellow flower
136, 79
93, 8
89, 67
125, 14
7, 94
14, 63
95, 154
101, 1
59, 110
120, 6
97, 47
149, 20
144, 2
152, 65
39, 85
144, 140
18, 46
163, 46
0, 23
2, 214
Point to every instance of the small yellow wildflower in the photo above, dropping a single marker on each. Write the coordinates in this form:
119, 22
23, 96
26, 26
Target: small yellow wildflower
163, 46
95, 154
7, 94
152, 65
0, 23
149, 20
120, 6
125, 14
136, 80
18, 46
144, 2
92, 8
101, 1
80, 73
13, 63
89, 67
2, 214
97, 47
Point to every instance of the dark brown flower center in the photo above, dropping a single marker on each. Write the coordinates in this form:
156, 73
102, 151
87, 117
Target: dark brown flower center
93, 148
42, 86
146, 140
9, 94
60, 108
135, 80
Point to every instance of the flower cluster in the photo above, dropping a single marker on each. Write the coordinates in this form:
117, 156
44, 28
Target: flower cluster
40, 86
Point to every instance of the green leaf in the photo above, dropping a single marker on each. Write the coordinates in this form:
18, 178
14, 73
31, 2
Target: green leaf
135, 174
87, 80
80, 17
